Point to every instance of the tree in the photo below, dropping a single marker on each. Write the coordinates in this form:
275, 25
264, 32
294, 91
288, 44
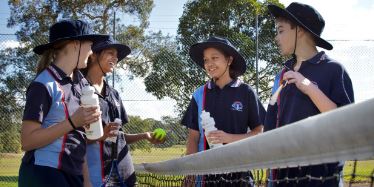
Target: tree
174, 75
137, 125
33, 18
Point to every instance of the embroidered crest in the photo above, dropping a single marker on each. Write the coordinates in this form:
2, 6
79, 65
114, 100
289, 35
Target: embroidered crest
237, 105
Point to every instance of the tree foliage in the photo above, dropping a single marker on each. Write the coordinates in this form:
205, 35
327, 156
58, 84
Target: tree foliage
32, 20
174, 75
175, 133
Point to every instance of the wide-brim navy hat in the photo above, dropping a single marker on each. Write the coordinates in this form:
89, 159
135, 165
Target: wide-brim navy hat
122, 50
305, 16
69, 30
197, 53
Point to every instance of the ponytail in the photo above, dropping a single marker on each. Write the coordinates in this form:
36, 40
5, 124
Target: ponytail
45, 60
49, 55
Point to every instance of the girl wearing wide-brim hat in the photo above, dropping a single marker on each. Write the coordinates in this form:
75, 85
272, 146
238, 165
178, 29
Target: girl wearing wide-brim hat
102, 152
309, 84
233, 104
52, 133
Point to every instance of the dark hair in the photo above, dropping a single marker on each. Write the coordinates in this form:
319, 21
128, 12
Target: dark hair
287, 20
234, 74
84, 71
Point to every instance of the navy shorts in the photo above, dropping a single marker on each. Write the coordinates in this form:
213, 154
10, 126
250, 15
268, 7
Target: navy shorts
31, 175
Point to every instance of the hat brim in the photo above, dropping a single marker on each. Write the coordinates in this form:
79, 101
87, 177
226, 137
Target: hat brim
197, 55
92, 37
277, 11
122, 50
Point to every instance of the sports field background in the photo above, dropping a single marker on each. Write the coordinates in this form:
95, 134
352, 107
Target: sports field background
10, 164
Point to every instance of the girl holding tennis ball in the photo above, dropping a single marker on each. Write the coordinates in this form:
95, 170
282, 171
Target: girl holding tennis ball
114, 144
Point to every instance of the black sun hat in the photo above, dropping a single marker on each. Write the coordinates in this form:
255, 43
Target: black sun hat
122, 50
305, 16
69, 30
197, 53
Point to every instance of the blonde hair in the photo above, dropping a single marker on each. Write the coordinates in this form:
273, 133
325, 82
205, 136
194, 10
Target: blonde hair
49, 55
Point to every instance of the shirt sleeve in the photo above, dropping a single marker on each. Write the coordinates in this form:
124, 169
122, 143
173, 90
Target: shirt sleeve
190, 118
272, 110
122, 110
342, 90
256, 111
271, 117
38, 102
124, 117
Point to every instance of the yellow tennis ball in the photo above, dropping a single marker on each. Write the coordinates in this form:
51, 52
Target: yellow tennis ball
159, 134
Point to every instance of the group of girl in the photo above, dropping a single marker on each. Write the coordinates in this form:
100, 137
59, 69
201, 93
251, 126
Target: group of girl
58, 154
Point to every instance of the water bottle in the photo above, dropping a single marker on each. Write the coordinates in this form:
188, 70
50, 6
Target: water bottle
89, 98
118, 122
208, 125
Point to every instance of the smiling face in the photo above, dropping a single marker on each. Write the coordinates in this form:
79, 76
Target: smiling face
216, 63
108, 59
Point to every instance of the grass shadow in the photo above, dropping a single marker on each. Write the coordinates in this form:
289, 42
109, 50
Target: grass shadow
8, 178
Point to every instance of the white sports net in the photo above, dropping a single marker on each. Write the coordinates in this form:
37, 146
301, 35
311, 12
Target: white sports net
341, 135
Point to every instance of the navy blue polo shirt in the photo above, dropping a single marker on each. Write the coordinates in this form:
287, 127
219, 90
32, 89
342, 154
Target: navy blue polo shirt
333, 80
235, 108
99, 154
330, 77
46, 98
111, 105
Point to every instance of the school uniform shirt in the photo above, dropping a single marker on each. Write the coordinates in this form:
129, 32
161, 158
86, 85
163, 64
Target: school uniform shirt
235, 108
99, 154
293, 105
50, 99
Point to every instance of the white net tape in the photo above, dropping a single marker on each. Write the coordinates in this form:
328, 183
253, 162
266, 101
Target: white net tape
343, 134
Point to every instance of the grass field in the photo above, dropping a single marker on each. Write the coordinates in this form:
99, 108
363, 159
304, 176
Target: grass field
9, 164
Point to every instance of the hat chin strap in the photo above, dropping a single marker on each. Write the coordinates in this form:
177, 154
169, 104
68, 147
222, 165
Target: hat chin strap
227, 67
79, 54
294, 49
98, 62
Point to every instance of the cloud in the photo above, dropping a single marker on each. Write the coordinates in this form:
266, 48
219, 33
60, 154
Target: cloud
9, 44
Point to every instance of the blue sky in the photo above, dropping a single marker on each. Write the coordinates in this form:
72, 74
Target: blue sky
345, 20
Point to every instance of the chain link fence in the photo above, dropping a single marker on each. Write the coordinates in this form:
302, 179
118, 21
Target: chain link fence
147, 110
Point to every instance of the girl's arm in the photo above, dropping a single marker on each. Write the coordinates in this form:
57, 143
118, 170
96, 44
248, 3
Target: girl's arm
34, 136
192, 141
218, 137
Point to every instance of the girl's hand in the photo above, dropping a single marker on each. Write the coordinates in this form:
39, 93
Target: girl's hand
218, 137
85, 116
302, 83
151, 138
110, 130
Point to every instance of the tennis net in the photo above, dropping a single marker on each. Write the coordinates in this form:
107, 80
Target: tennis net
344, 134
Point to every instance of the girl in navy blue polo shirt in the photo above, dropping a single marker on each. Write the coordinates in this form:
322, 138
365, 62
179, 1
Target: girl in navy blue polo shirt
52, 133
312, 84
100, 153
234, 105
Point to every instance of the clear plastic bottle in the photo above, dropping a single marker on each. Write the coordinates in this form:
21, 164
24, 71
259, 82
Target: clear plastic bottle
119, 124
89, 98
208, 125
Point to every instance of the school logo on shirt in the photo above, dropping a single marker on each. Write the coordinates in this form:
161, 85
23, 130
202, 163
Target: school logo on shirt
237, 105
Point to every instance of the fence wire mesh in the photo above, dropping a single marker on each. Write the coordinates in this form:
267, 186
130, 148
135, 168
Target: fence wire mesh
148, 111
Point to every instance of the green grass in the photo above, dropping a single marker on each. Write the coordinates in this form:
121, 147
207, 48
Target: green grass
363, 171
157, 154
9, 164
